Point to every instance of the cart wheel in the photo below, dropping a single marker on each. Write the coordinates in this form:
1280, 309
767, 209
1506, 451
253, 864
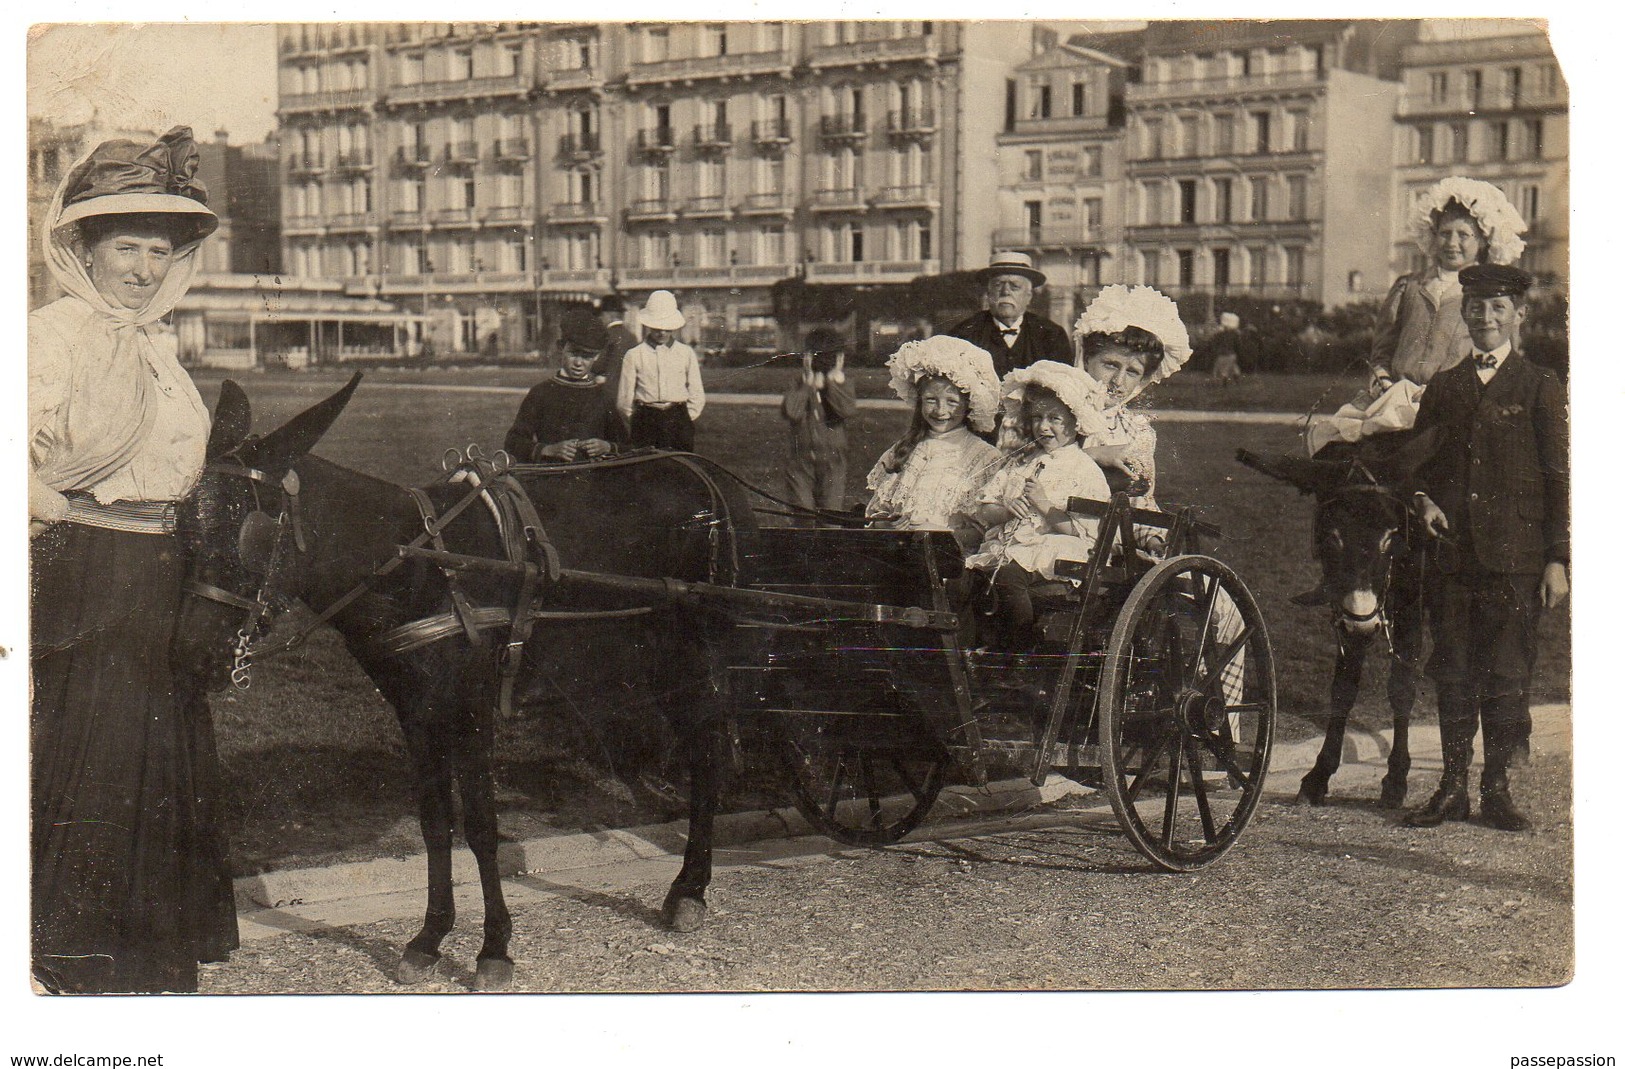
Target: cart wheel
866, 775
1187, 712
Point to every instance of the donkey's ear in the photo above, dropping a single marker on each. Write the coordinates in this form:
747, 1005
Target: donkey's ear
285, 446
232, 419
1318, 477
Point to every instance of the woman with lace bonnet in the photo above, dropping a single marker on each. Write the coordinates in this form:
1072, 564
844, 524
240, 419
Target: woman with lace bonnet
1456, 222
129, 886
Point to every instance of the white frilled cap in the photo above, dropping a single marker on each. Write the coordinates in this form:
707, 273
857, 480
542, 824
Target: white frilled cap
1117, 307
965, 365
1496, 216
1076, 388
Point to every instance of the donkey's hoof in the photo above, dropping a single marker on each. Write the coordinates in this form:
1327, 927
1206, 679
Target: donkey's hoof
684, 914
1311, 792
1393, 795
415, 966
493, 974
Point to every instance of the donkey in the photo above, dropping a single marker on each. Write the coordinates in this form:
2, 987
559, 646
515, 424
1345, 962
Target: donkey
1372, 555
429, 628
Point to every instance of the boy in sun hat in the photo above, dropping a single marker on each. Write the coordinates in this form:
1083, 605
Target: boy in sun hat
660, 393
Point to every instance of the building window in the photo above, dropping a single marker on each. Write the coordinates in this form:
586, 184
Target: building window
1297, 196
1512, 86
1475, 89
1224, 135
1298, 121
515, 255
462, 64
712, 249
770, 244
657, 181
1501, 140
1261, 131
1458, 142
1549, 81
1093, 213
1424, 145
1080, 98
1187, 135
1260, 199
1258, 264
1221, 268
1089, 162
1187, 267
514, 53
582, 184
1224, 199
1529, 203
1294, 265
656, 44
1153, 139
468, 191
711, 178
922, 239
1033, 211
1035, 165
770, 38
715, 39
1534, 137
1151, 203
655, 249
1438, 87
770, 174
1040, 100
1187, 200
1149, 273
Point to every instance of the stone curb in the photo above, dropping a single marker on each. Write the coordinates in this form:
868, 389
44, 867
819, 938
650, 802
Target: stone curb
559, 853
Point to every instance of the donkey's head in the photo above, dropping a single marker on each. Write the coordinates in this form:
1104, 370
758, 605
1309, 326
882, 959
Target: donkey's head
237, 525
1361, 521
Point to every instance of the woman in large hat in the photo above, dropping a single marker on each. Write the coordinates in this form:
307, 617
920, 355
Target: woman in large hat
129, 886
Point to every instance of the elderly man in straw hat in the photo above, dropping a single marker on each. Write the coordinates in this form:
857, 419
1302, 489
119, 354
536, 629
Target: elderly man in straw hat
1005, 329
660, 393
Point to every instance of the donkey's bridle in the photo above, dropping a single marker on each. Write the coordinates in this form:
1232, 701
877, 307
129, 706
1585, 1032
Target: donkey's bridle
1380, 611
259, 606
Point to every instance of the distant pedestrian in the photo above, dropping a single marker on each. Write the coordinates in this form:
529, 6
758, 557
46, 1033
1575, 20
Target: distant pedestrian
1225, 346
660, 394
612, 313
817, 407
571, 415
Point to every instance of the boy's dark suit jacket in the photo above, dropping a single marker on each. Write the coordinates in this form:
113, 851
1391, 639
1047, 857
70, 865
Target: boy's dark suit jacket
1501, 473
1039, 340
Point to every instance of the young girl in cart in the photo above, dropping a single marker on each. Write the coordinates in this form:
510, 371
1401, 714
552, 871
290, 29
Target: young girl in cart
1129, 339
1022, 509
930, 477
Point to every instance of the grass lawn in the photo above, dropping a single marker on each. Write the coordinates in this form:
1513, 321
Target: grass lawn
315, 763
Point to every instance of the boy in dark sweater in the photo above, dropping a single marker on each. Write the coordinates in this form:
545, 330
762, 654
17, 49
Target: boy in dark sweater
570, 416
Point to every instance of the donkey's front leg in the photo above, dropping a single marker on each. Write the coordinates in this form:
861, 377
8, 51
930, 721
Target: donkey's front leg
1351, 650
684, 909
1403, 669
432, 762
476, 781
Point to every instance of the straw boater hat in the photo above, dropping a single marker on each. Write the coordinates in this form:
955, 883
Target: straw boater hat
965, 365
1489, 207
661, 313
1141, 306
1075, 387
1011, 263
127, 178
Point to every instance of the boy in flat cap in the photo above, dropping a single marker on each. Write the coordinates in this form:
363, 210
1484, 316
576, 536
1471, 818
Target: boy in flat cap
816, 407
570, 416
1497, 492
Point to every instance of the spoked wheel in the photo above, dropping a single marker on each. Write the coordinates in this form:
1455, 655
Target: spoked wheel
1186, 712
866, 773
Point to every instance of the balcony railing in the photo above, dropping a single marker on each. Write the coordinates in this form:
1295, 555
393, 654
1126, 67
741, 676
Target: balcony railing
657, 139
355, 159
304, 222
463, 88
837, 198
652, 207
907, 196
919, 46
718, 135
684, 275
1486, 99
711, 204
732, 64
842, 127
765, 202
327, 100
576, 211
577, 145
406, 217
511, 148
770, 131
454, 215
306, 163
414, 156
572, 78
911, 121
873, 270
576, 277
1036, 237
1228, 84
462, 151
353, 221
506, 213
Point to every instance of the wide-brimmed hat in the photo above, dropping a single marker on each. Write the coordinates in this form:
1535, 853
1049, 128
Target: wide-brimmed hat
1118, 306
1075, 387
1229, 320
967, 366
1011, 263
1489, 207
123, 177
660, 313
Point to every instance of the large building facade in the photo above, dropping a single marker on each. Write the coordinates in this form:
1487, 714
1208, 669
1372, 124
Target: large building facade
1259, 158
1496, 109
489, 173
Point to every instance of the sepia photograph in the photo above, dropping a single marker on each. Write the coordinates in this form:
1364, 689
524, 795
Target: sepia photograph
839, 510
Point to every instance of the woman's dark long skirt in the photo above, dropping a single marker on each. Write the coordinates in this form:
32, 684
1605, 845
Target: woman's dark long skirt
130, 888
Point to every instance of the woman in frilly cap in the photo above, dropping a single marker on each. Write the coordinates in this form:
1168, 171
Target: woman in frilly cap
1456, 223
129, 885
929, 478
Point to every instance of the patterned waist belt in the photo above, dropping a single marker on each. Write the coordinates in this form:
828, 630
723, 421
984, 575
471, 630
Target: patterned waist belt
135, 517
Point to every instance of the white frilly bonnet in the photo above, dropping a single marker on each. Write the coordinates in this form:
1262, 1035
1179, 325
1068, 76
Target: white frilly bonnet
965, 365
1140, 306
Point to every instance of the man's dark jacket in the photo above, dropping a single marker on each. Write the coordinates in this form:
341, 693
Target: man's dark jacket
1501, 471
1039, 340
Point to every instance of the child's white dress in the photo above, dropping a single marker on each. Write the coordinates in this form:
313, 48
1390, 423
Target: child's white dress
940, 478
1067, 473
